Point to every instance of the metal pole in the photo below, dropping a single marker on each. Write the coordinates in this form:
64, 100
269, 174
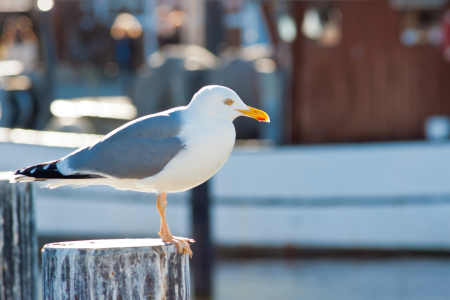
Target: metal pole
214, 31
49, 56
202, 248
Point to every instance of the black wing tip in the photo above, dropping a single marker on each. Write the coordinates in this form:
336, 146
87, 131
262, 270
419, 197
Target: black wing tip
39, 170
49, 170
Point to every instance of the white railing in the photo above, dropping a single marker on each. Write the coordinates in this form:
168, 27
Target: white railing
384, 195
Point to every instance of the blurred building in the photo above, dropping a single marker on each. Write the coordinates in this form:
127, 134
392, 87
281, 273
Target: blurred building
325, 71
368, 70
340, 72
328, 72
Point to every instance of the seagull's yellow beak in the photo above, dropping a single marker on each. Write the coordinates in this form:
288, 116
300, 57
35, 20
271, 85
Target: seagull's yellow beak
255, 114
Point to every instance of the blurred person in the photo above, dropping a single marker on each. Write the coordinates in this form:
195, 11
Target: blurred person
127, 31
19, 42
169, 21
81, 41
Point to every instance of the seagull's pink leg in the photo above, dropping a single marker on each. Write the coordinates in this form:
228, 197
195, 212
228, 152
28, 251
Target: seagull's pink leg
166, 236
161, 206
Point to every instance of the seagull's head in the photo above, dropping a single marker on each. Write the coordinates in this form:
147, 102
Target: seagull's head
224, 103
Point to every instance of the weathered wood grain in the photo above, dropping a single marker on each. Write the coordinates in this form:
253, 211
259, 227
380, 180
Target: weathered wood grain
18, 242
115, 269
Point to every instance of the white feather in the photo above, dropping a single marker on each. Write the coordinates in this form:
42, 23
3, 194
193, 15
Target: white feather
63, 167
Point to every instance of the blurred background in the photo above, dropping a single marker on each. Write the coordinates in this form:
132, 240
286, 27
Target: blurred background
344, 195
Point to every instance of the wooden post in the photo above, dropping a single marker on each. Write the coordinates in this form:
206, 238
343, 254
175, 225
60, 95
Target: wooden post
18, 242
124, 269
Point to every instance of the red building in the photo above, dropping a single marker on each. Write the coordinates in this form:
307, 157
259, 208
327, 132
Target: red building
377, 76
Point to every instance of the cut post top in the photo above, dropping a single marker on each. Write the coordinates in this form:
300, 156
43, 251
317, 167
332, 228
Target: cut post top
106, 244
125, 269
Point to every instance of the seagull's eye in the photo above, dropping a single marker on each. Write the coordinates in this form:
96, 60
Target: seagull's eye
228, 102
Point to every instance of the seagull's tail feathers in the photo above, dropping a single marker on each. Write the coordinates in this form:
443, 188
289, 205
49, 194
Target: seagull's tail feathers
45, 171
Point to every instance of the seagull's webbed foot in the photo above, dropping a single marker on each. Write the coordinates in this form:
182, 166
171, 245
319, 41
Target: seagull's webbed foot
181, 243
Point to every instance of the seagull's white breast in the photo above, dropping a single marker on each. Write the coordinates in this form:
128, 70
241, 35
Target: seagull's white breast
208, 144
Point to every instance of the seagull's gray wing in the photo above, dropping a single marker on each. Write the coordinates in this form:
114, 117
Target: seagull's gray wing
137, 150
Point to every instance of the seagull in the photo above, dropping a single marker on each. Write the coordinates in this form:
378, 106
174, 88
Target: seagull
167, 152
